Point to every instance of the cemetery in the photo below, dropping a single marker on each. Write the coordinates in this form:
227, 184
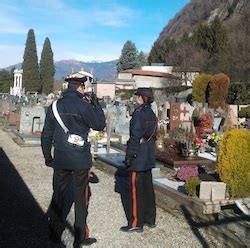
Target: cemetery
202, 147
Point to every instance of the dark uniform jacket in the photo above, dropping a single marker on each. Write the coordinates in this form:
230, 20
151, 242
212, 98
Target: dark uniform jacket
141, 144
78, 115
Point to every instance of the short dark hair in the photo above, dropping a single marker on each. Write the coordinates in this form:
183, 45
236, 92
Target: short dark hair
74, 86
147, 99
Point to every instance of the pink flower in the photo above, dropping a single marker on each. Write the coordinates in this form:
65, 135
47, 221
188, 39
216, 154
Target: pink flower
187, 171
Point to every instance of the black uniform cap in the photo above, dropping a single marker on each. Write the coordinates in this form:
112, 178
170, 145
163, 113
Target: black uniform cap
79, 77
145, 92
75, 80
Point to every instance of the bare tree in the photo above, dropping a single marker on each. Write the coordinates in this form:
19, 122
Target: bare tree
187, 56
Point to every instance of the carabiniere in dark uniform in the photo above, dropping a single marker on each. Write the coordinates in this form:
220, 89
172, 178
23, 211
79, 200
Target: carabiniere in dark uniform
139, 160
79, 112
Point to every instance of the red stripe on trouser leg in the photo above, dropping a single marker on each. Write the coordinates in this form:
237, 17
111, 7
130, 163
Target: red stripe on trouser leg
86, 232
134, 200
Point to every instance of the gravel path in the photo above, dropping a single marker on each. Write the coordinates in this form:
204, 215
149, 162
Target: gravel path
25, 193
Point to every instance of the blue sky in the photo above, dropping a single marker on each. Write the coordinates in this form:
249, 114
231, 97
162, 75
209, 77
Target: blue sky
85, 30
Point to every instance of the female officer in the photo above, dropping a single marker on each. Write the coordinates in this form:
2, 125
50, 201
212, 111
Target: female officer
139, 160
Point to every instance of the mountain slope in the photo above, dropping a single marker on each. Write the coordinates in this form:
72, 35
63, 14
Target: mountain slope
100, 70
198, 11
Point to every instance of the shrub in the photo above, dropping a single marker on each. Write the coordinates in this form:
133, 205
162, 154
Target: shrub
199, 87
234, 162
245, 112
187, 171
191, 185
218, 90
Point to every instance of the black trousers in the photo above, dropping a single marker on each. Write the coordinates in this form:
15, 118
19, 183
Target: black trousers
61, 181
142, 207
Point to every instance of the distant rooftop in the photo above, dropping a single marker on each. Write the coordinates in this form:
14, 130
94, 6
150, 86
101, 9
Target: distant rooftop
150, 73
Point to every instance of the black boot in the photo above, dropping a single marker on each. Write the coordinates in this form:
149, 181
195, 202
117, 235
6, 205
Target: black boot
150, 225
84, 242
131, 229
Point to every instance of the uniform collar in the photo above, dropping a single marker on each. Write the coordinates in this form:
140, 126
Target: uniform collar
72, 92
143, 105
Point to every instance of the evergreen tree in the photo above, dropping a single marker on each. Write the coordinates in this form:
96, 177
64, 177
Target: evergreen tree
31, 78
156, 54
213, 39
6, 80
142, 59
160, 50
128, 58
47, 68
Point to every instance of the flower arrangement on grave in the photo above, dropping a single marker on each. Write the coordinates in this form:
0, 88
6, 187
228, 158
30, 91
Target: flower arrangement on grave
188, 147
187, 171
206, 120
188, 142
199, 142
99, 135
214, 140
95, 136
178, 134
191, 185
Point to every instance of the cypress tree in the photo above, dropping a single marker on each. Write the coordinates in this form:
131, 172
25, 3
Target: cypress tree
47, 68
31, 78
128, 58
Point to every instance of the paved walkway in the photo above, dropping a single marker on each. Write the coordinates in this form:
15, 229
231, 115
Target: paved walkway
25, 193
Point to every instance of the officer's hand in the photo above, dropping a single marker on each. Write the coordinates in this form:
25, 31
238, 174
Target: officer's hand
93, 178
94, 99
49, 162
129, 159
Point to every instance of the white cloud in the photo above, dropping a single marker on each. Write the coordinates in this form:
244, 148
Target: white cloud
10, 26
116, 16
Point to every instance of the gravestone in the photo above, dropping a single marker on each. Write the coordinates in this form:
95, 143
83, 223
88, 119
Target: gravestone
197, 105
234, 109
212, 191
122, 124
180, 114
4, 106
32, 119
119, 121
174, 115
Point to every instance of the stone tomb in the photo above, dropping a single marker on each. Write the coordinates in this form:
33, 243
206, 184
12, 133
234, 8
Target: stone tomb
32, 120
